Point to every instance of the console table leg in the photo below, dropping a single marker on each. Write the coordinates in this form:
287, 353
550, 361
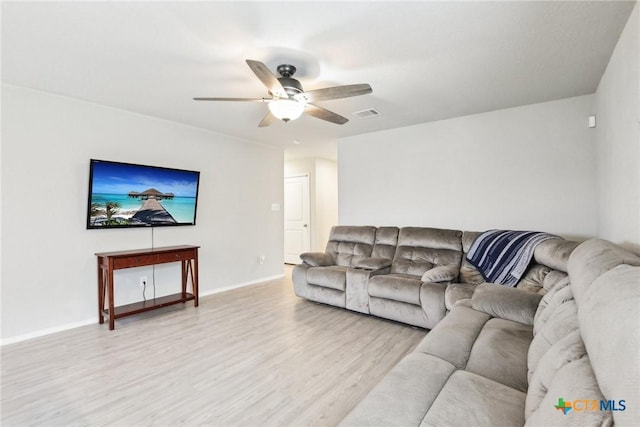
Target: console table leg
185, 277
112, 318
101, 289
194, 281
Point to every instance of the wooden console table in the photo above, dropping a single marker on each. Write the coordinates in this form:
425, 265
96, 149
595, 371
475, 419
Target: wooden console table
109, 261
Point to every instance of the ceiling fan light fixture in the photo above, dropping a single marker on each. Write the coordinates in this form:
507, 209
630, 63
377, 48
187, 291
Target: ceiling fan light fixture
286, 109
288, 100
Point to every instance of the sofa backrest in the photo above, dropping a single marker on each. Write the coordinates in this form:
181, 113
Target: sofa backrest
606, 283
468, 273
548, 267
348, 244
549, 264
385, 243
585, 330
420, 249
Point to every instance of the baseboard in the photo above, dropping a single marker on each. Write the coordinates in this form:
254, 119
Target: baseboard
48, 331
94, 320
241, 285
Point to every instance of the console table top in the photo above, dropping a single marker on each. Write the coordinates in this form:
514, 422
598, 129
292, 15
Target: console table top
146, 251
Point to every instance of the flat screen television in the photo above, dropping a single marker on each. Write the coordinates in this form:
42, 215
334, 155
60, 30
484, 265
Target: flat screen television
130, 195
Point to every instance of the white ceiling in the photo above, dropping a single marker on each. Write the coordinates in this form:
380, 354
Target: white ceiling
426, 61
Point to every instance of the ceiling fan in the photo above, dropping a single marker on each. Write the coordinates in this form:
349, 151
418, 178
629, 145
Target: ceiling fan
288, 100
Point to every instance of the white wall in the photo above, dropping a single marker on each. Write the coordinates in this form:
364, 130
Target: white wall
530, 167
618, 141
323, 196
326, 199
48, 262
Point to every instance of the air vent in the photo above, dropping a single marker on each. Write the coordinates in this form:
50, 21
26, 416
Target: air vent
368, 113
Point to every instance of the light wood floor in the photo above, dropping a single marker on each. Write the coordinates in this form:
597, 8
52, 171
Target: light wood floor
257, 356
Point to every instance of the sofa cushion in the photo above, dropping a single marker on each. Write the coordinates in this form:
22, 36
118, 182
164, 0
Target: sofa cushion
347, 253
552, 279
396, 287
468, 399
348, 244
417, 260
314, 293
532, 280
385, 242
420, 249
540, 278
404, 395
333, 277
562, 321
414, 266
410, 314
455, 336
555, 297
566, 350
500, 353
574, 382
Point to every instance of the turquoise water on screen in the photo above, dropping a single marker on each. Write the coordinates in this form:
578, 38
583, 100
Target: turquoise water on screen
181, 208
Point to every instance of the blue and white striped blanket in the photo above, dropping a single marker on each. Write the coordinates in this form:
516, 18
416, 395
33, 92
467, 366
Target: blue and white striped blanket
502, 256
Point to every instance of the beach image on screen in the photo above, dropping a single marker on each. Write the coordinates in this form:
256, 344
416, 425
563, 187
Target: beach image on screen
127, 195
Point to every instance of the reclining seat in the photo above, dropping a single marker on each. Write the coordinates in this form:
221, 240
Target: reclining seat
401, 295
322, 276
548, 267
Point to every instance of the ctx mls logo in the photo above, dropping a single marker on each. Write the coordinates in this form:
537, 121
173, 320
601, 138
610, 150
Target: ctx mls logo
563, 406
589, 405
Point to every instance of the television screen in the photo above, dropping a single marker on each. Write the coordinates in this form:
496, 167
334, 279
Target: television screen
129, 195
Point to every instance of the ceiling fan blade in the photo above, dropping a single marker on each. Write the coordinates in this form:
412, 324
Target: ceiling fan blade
321, 113
234, 99
267, 120
335, 92
267, 78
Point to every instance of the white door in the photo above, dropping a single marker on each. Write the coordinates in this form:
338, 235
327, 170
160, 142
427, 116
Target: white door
296, 218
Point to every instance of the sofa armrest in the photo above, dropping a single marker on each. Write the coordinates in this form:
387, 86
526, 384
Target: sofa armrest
506, 303
432, 302
441, 274
459, 294
372, 263
317, 259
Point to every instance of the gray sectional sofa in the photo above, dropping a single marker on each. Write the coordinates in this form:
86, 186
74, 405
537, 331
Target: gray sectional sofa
562, 348
413, 275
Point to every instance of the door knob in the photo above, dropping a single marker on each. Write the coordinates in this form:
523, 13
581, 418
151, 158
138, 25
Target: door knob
305, 225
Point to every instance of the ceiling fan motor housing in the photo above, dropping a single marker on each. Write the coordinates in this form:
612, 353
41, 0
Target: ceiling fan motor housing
286, 70
290, 85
